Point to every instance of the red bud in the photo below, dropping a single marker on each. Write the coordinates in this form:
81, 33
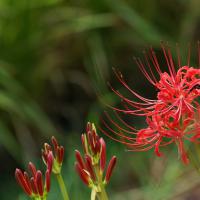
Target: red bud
27, 179
54, 142
97, 145
60, 154
22, 182
110, 168
83, 142
90, 167
32, 168
102, 154
39, 182
50, 161
82, 173
33, 186
91, 141
47, 180
79, 159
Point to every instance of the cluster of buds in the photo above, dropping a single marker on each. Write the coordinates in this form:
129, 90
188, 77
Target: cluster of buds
54, 155
33, 185
91, 168
172, 118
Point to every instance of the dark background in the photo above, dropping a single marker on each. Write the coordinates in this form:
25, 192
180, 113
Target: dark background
56, 57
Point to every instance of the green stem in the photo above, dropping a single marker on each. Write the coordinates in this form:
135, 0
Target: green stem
62, 186
102, 195
36, 198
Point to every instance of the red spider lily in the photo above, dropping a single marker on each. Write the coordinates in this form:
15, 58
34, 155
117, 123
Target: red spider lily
33, 185
163, 130
176, 89
92, 167
53, 156
171, 118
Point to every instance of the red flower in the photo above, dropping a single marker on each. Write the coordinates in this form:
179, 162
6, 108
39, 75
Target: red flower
171, 118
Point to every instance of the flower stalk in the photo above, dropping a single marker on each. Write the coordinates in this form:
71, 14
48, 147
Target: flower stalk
102, 195
62, 186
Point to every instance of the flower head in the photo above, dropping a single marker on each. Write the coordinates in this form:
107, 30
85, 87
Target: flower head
91, 167
91, 142
173, 117
53, 156
34, 185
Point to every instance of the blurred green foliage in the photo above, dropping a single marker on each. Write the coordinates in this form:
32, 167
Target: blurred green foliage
55, 59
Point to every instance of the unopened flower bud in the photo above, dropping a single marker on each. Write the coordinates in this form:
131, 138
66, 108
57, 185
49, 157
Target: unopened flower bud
79, 159
110, 168
48, 180
88, 163
22, 182
39, 182
102, 154
83, 174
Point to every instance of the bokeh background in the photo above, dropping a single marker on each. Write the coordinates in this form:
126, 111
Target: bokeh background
56, 57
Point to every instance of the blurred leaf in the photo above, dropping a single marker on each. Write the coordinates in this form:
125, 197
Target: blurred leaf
9, 142
144, 28
97, 63
84, 23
